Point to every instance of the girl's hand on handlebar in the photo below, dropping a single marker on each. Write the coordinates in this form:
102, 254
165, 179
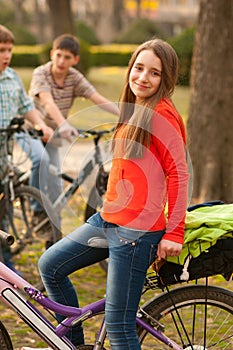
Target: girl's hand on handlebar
168, 248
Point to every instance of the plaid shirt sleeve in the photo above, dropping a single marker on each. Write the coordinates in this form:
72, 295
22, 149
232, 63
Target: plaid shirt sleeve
14, 101
13, 97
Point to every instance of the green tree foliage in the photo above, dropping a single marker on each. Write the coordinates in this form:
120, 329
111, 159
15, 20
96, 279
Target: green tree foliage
86, 33
6, 13
138, 31
183, 45
8, 18
22, 35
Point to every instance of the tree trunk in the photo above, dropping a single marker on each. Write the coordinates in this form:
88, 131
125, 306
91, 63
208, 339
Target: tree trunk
61, 16
40, 22
138, 12
118, 9
18, 11
210, 123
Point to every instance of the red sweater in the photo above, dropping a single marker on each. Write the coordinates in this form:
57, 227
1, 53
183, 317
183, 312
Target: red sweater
139, 188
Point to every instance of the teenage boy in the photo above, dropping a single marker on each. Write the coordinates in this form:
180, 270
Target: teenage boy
54, 87
13, 102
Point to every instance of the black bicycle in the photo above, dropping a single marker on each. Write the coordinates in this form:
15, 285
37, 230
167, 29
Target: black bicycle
15, 207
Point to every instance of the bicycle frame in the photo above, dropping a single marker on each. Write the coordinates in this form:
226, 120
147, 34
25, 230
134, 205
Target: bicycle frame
11, 293
75, 183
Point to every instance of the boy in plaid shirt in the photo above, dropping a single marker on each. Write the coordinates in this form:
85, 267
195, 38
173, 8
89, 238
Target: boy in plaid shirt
13, 102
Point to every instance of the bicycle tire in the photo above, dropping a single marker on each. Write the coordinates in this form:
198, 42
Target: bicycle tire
190, 302
5, 340
94, 203
31, 240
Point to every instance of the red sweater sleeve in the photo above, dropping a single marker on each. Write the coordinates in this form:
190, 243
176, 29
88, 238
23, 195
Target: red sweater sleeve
169, 140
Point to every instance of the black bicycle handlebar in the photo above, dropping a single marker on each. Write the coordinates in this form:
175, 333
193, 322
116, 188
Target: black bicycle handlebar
94, 132
6, 238
16, 125
87, 133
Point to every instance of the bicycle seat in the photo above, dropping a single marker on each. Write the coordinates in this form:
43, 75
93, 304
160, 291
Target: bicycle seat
98, 242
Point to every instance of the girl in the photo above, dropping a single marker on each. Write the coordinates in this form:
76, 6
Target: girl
148, 170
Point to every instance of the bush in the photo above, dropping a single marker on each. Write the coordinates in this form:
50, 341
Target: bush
85, 57
86, 33
111, 55
139, 31
183, 45
28, 56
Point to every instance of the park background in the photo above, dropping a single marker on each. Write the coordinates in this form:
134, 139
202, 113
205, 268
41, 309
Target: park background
201, 33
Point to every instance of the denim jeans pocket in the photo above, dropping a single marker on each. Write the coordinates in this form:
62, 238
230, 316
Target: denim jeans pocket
127, 236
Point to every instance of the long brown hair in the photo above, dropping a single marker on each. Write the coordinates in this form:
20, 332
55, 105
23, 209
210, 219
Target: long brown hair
138, 128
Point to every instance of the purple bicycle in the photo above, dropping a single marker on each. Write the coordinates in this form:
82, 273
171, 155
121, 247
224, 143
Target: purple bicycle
192, 317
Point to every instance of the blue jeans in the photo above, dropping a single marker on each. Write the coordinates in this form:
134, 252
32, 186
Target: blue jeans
130, 254
42, 157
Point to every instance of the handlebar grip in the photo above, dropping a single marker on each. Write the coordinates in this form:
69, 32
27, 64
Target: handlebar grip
35, 133
6, 238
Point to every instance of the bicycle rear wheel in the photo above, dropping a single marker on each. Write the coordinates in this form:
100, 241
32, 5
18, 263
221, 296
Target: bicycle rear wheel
31, 240
5, 341
206, 315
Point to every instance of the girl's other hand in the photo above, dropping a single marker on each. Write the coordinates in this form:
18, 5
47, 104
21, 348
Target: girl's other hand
168, 248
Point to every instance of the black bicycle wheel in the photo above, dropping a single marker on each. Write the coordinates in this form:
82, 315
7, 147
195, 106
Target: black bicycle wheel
31, 240
5, 341
96, 195
94, 203
206, 318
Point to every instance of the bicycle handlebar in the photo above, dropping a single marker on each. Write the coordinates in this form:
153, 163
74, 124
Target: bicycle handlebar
16, 125
6, 238
87, 133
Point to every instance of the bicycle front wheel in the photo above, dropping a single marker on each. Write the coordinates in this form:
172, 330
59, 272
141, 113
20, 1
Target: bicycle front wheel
195, 317
5, 341
31, 240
